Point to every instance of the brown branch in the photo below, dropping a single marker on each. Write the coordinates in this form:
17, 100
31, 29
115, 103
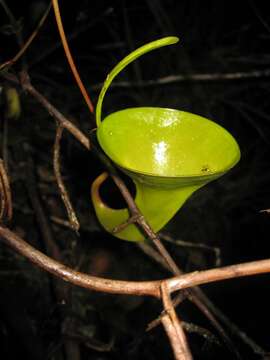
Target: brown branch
126, 287
228, 272
79, 30
61, 186
51, 246
150, 288
5, 193
2, 201
13, 22
69, 56
189, 328
173, 327
188, 244
152, 254
29, 41
61, 289
174, 79
131, 220
65, 123
234, 329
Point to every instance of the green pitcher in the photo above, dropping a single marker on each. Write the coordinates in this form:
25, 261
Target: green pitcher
168, 154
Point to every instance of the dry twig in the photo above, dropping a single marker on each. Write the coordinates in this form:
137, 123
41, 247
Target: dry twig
69, 56
137, 288
173, 327
25, 46
5, 194
61, 289
180, 78
61, 186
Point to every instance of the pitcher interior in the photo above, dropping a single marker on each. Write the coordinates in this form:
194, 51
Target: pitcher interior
167, 143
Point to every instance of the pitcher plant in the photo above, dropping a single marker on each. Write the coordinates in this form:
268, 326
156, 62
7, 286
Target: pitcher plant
167, 153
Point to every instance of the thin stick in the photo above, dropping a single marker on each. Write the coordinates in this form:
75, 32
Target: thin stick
65, 123
2, 201
173, 328
13, 22
150, 288
228, 272
188, 244
234, 329
69, 56
139, 288
61, 186
6, 199
62, 289
25, 46
52, 47
183, 78
189, 328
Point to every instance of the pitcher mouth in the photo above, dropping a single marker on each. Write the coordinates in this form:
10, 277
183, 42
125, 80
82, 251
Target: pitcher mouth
204, 174
167, 143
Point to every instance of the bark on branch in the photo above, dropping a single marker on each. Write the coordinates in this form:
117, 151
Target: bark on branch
149, 288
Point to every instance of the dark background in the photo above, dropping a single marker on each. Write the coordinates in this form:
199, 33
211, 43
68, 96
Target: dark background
216, 38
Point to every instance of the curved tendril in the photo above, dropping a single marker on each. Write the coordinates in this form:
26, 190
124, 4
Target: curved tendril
127, 60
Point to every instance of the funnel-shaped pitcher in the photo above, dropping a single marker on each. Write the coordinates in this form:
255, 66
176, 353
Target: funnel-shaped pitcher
168, 154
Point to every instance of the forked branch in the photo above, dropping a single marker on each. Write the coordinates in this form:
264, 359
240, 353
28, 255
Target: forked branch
139, 288
173, 327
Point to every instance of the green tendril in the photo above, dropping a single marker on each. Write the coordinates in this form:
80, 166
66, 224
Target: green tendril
127, 60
